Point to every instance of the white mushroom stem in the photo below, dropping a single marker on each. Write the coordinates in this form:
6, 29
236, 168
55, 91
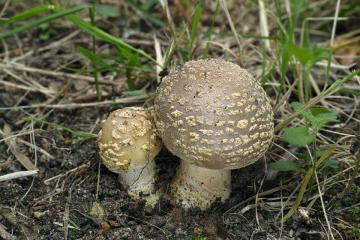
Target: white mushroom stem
128, 145
140, 182
195, 186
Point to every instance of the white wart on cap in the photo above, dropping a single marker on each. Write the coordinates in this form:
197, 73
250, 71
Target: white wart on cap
214, 116
128, 145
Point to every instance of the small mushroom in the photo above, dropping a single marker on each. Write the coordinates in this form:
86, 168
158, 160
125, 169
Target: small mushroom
128, 145
215, 117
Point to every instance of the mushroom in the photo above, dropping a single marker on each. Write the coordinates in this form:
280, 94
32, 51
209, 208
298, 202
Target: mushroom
128, 145
215, 117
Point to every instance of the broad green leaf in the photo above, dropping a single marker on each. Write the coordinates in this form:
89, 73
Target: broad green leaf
318, 117
284, 166
317, 110
298, 136
333, 164
310, 55
302, 54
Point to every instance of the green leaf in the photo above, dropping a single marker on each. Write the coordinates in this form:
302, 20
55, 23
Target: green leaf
318, 117
298, 136
100, 63
284, 166
80, 134
302, 54
27, 14
296, 106
310, 55
333, 164
196, 21
107, 10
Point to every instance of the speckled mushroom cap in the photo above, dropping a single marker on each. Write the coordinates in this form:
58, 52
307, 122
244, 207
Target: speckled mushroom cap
127, 138
214, 114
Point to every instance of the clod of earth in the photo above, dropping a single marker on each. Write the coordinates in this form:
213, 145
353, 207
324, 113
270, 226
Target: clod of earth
128, 145
215, 117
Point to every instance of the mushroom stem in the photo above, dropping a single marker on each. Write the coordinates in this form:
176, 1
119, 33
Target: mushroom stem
140, 182
195, 186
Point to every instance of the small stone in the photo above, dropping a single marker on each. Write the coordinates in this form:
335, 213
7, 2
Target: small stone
39, 215
97, 211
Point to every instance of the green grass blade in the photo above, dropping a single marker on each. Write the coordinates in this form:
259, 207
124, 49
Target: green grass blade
306, 180
27, 14
42, 20
194, 28
80, 134
100, 34
94, 58
146, 15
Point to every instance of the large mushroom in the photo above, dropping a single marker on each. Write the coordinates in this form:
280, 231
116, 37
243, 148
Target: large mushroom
215, 117
128, 145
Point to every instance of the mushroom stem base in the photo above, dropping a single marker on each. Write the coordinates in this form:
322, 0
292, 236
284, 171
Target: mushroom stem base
195, 186
140, 182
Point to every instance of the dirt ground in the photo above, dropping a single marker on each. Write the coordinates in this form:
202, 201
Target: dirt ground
74, 197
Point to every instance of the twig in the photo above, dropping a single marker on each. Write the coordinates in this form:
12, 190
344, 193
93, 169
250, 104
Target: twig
51, 46
6, 5
264, 24
4, 234
335, 22
262, 194
18, 174
24, 68
18, 86
159, 58
80, 105
22, 158
79, 168
226, 10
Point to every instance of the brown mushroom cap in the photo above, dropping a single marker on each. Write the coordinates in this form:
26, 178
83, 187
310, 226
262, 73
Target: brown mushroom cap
214, 114
128, 138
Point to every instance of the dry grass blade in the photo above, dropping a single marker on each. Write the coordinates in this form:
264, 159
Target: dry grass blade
335, 22
159, 58
11, 142
231, 23
264, 24
5, 234
20, 67
135, 99
18, 174
334, 87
